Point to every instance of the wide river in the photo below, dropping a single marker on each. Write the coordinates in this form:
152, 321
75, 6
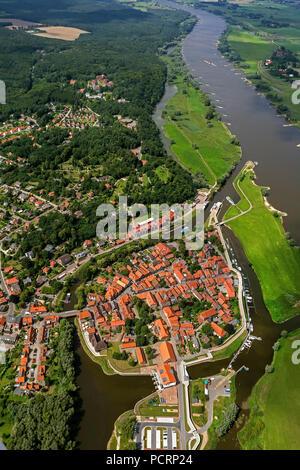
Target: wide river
265, 139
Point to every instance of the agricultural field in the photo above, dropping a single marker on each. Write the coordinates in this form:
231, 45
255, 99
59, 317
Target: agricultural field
254, 51
274, 422
267, 248
58, 32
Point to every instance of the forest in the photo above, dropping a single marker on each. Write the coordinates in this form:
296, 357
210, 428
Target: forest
47, 420
37, 72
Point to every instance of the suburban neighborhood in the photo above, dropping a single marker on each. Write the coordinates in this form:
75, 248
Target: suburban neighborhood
154, 314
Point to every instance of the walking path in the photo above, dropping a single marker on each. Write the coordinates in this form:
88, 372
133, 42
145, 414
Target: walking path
239, 190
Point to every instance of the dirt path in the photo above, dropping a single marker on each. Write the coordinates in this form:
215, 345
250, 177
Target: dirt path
204, 440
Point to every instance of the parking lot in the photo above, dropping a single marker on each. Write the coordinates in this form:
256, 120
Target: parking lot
160, 437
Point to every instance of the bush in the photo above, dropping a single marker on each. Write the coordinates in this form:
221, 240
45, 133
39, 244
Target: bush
269, 369
120, 356
227, 420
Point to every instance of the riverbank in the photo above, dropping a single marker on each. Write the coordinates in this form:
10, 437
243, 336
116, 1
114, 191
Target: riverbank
251, 39
122, 437
248, 53
220, 406
274, 422
274, 259
100, 360
200, 141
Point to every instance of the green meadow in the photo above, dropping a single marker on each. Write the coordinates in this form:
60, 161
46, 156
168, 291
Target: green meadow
253, 51
251, 48
275, 261
274, 422
198, 143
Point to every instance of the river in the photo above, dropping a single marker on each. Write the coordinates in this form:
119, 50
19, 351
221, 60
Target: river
263, 139
255, 122
104, 398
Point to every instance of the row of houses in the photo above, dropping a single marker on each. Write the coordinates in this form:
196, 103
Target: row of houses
32, 369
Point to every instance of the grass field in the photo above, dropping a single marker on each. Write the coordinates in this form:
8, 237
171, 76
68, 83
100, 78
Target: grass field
250, 47
262, 27
274, 422
253, 50
231, 349
198, 410
276, 263
198, 145
121, 366
150, 410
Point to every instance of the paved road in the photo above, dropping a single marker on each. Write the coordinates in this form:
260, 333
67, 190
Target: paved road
216, 389
248, 167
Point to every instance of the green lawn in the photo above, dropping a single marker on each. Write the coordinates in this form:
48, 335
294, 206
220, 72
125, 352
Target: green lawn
121, 366
274, 422
276, 263
163, 173
200, 407
149, 411
231, 349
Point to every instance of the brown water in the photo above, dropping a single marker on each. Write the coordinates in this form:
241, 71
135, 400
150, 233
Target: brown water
263, 139
255, 122
104, 398
274, 147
